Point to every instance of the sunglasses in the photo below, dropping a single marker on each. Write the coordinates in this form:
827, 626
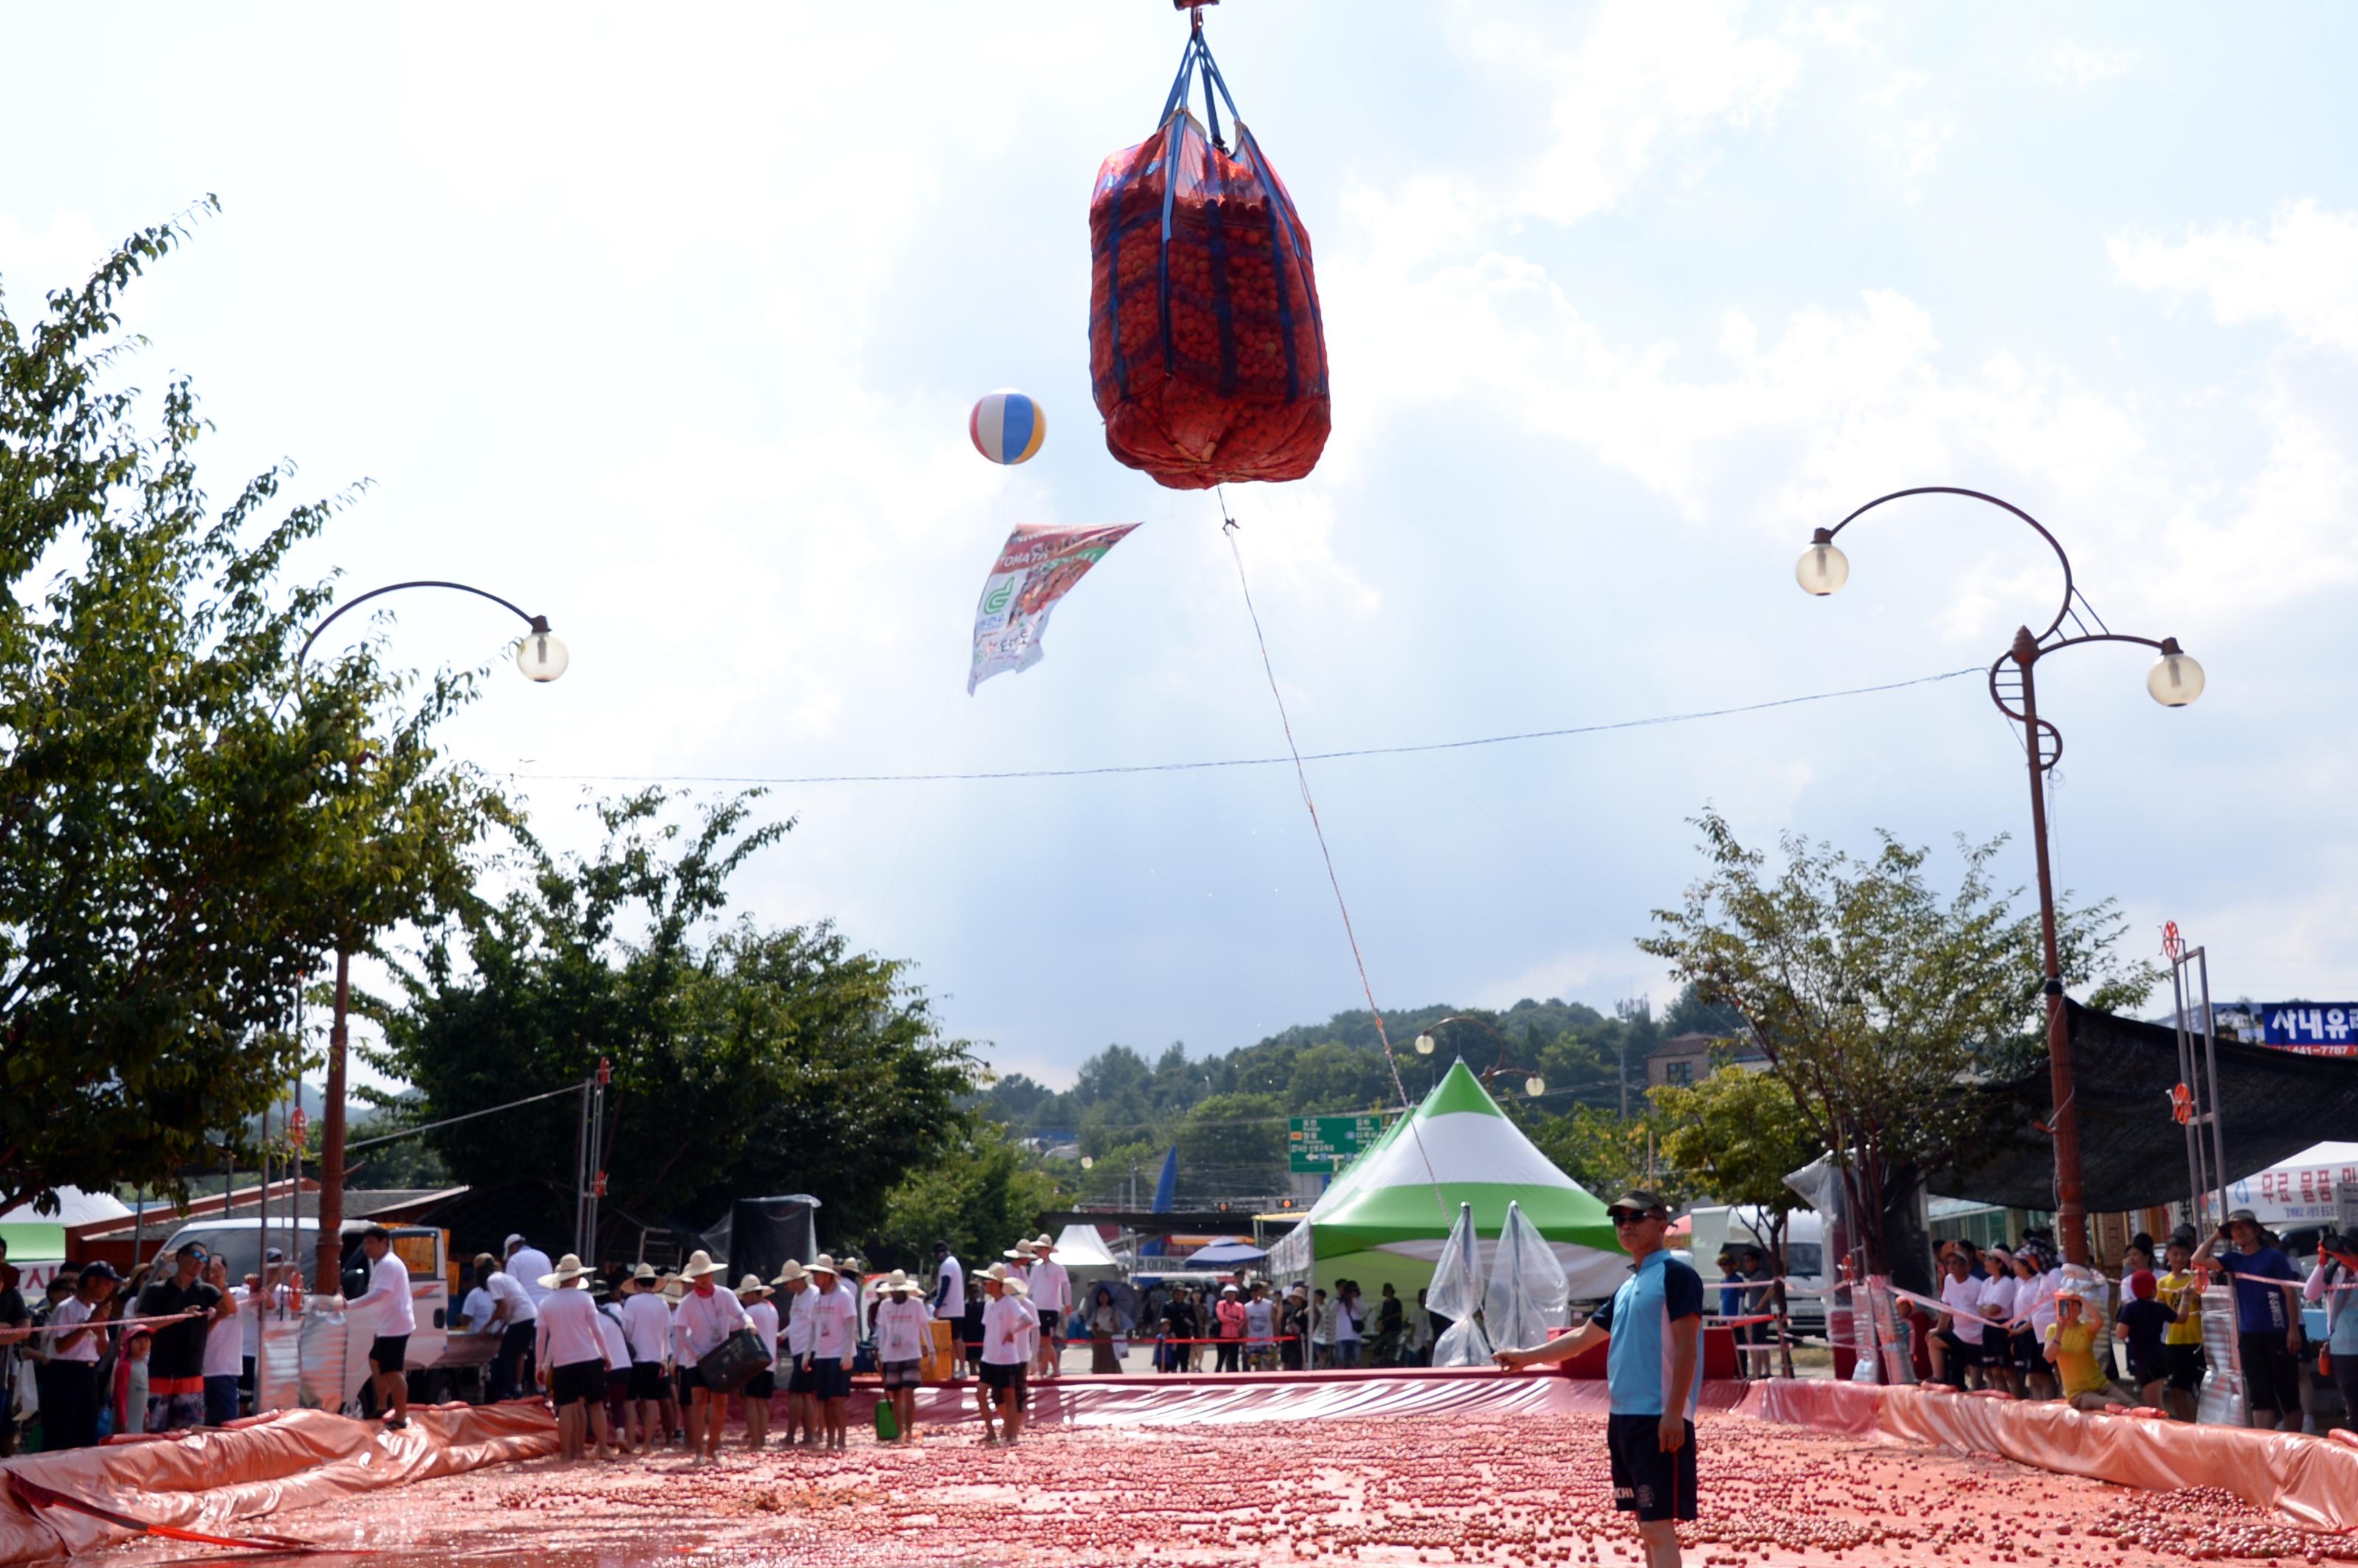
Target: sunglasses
1622, 1217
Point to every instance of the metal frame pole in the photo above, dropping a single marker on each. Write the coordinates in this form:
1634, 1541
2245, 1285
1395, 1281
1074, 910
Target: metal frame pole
2211, 1051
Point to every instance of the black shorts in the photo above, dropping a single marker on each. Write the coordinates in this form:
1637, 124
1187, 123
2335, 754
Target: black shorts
646, 1380
2147, 1364
618, 1384
2185, 1364
760, 1385
1052, 1324
1961, 1352
577, 1383
830, 1378
1647, 1482
685, 1383
2022, 1349
801, 1379
902, 1373
390, 1352
2271, 1373
1003, 1375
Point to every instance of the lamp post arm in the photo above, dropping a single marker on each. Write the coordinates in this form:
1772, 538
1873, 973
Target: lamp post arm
537, 622
1825, 536
2027, 650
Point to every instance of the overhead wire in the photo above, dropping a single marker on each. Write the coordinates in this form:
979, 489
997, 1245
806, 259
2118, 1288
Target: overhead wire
1294, 757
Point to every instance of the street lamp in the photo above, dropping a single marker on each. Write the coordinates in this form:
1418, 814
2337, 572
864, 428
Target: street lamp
542, 657
2174, 680
1533, 1084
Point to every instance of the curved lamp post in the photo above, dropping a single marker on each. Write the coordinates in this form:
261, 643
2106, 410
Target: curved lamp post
542, 657
2174, 680
1533, 1084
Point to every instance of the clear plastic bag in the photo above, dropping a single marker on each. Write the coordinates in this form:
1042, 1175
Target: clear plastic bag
1526, 1293
1457, 1293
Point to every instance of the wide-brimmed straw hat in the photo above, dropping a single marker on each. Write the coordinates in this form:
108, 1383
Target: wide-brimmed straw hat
1046, 1244
998, 1273
1022, 1252
569, 1269
1014, 1285
644, 1274
700, 1263
751, 1285
898, 1279
789, 1271
824, 1264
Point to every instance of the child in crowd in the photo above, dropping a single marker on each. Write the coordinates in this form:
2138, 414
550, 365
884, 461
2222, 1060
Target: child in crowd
2071, 1351
2142, 1321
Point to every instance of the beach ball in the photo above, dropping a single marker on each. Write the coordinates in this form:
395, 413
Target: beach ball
1007, 425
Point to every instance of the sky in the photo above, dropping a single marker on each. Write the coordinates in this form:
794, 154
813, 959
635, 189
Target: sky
666, 324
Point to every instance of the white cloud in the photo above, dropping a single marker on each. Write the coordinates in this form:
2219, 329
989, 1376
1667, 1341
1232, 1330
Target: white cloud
2303, 272
1643, 76
2075, 65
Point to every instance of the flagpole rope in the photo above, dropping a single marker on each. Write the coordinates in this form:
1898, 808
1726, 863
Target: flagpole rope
1302, 776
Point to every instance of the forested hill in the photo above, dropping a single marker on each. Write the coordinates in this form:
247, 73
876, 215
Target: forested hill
1226, 1111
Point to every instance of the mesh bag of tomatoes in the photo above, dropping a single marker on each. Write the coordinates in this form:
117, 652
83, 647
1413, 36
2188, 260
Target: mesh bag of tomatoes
1206, 352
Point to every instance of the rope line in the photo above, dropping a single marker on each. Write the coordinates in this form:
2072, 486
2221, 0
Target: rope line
1296, 758
1302, 776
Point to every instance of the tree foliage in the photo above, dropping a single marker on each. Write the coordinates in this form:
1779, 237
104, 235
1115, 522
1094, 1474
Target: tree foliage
745, 1061
1736, 1136
980, 1195
1878, 1000
185, 828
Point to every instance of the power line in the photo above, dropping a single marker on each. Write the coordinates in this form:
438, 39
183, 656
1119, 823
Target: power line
1285, 760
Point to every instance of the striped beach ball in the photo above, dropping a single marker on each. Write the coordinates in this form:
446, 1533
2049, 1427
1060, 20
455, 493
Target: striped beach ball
1007, 425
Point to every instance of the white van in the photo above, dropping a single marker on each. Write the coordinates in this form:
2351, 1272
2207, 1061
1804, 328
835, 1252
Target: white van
1719, 1227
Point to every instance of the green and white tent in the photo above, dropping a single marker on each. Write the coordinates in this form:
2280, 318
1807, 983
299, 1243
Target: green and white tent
1381, 1220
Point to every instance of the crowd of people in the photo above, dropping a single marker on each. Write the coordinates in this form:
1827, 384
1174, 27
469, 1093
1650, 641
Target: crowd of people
2018, 1321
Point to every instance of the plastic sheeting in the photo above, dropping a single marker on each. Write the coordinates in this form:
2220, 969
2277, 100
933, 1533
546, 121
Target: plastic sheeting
2309, 1480
225, 1482
1457, 1294
1526, 1293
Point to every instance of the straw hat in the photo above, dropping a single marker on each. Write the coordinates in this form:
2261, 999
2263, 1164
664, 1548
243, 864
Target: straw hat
898, 1279
644, 1274
751, 1285
569, 1269
789, 1271
1046, 1245
824, 1264
700, 1263
1016, 1287
997, 1274
1020, 1252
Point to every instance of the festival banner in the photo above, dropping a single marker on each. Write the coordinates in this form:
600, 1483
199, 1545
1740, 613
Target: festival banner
1039, 564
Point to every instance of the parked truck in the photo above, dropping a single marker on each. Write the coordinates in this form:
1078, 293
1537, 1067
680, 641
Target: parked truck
445, 1361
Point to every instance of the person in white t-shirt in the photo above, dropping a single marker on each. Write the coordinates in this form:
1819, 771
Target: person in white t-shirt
801, 1407
646, 1329
834, 1337
708, 1314
384, 1311
905, 1329
1051, 1296
1960, 1334
225, 1343
762, 1385
1007, 1323
950, 1294
570, 1346
1997, 1307
617, 1403
529, 1264
511, 1315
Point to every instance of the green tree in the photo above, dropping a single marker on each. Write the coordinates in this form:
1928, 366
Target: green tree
980, 1193
1609, 1154
1878, 1000
744, 1060
186, 830
1233, 1143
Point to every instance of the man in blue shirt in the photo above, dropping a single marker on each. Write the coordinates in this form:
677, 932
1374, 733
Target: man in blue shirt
2267, 1329
1654, 1322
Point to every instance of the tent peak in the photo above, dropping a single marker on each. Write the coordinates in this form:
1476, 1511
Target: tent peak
1459, 1091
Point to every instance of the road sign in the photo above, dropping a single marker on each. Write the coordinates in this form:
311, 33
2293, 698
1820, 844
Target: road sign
1327, 1143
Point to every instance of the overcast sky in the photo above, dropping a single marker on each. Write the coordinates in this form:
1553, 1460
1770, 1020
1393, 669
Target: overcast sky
666, 323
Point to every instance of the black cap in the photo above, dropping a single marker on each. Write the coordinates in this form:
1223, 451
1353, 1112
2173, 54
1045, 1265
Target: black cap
100, 1270
1638, 1201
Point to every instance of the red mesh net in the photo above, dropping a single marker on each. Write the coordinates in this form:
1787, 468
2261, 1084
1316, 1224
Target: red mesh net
1206, 348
